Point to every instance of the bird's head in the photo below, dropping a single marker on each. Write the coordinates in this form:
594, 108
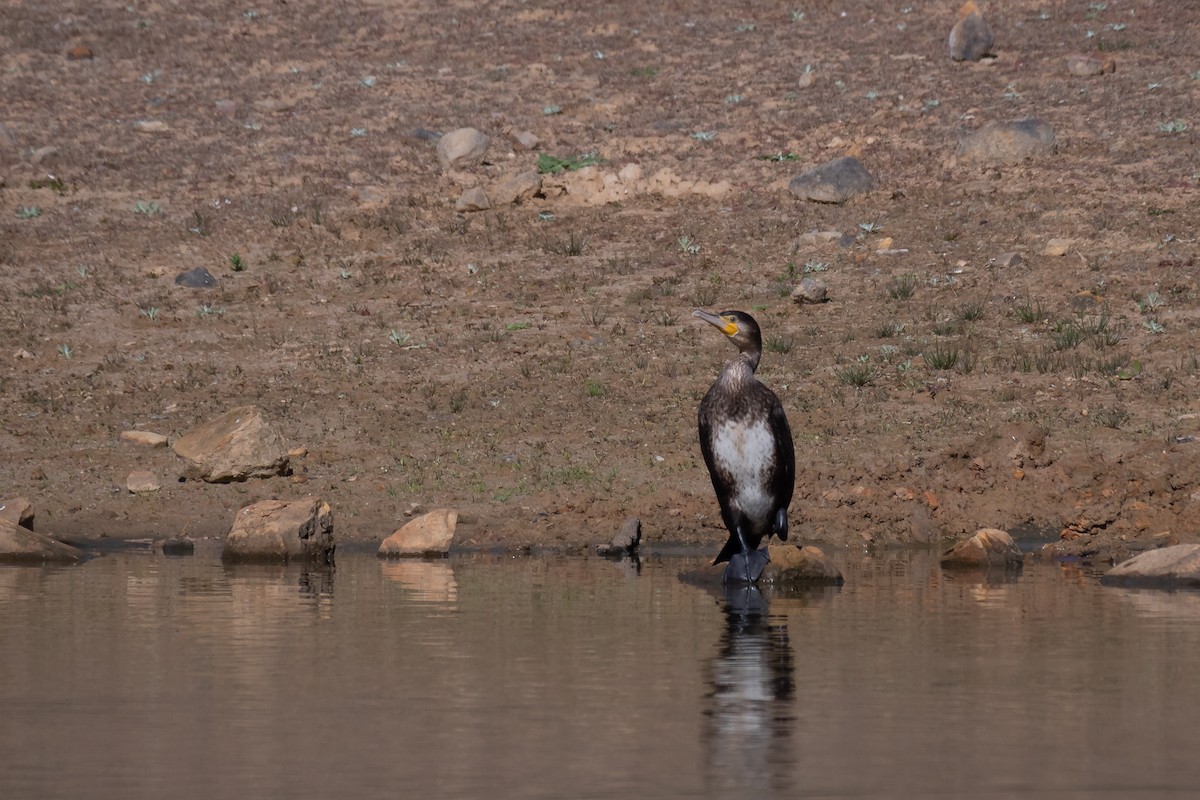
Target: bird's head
739, 326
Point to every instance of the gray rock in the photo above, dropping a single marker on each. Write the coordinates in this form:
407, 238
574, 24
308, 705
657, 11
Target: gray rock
626, 541
141, 481
835, 181
523, 140
1085, 66
175, 546
18, 511
989, 547
517, 188
473, 199
198, 278
277, 530
237, 445
970, 38
1005, 143
810, 290
18, 544
1168, 567
792, 565
462, 147
1008, 260
428, 535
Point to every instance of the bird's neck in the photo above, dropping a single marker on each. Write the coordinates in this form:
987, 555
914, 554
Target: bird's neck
741, 369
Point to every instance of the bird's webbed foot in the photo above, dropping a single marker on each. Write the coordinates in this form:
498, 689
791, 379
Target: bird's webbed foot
746, 567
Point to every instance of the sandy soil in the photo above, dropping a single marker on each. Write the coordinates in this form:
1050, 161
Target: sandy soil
536, 365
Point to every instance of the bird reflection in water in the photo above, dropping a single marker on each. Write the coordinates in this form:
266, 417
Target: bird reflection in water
748, 712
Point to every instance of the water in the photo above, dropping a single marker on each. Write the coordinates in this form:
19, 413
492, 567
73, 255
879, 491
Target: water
139, 676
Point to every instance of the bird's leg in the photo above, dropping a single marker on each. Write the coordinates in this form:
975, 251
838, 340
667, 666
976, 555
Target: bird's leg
748, 565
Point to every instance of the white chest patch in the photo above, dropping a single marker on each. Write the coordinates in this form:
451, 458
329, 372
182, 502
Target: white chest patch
745, 452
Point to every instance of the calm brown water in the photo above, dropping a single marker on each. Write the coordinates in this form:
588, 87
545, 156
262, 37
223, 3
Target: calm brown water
138, 676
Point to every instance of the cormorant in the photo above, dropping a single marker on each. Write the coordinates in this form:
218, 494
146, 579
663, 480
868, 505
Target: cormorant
747, 446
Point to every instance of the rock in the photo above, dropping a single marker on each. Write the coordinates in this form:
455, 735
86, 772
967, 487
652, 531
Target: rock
462, 147
989, 547
80, 52
473, 199
147, 438
21, 354
274, 105
1086, 66
517, 188
626, 541
523, 140
1004, 143
835, 181
810, 290
141, 481
427, 535
175, 546
792, 565
18, 511
1058, 247
278, 530
18, 544
1176, 566
226, 107
1008, 260
151, 126
198, 278
970, 38
237, 445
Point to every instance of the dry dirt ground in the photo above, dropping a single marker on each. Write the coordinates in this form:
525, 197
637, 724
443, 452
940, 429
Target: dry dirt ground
536, 365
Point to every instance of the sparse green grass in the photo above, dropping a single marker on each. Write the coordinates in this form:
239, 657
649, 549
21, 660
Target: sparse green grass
54, 183
1067, 335
858, 373
574, 245
1151, 302
553, 165
902, 288
971, 312
236, 263
209, 311
66, 351
28, 212
941, 356
778, 343
595, 389
150, 313
148, 208
1030, 311
688, 245
1111, 417
889, 329
458, 401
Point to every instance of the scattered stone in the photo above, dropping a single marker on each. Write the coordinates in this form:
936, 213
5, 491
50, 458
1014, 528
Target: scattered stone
1176, 566
175, 546
279, 530
625, 542
18, 511
1086, 66
274, 105
19, 544
141, 481
427, 535
989, 547
147, 438
462, 147
227, 107
237, 445
80, 52
810, 290
806, 79
298, 452
792, 565
151, 126
1008, 260
517, 188
1058, 247
970, 38
835, 181
21, 354
473, 199
198, 278
1004, 143
523, 140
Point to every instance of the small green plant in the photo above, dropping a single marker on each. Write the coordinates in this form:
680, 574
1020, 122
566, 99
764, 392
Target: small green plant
1030, 311
870, 227
858, 373
902, 288
150, 313
1113, 417
643, 72
28, 212
595, 389
209, 311
148, 208
733, 99
398, 338
52, 182
971, 312
65, 351
688, 245
779, 157
1173, 126
1154, 326
704, 136
516, 326
573, 245
595, 315
236, 263
945, 328
1067, 335
889, 329
1150, 302
553, 165
815, 266
941, 357
780, 344
458, 402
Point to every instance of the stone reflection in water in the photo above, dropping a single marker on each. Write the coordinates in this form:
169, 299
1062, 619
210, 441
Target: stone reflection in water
428, 581
748, 713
